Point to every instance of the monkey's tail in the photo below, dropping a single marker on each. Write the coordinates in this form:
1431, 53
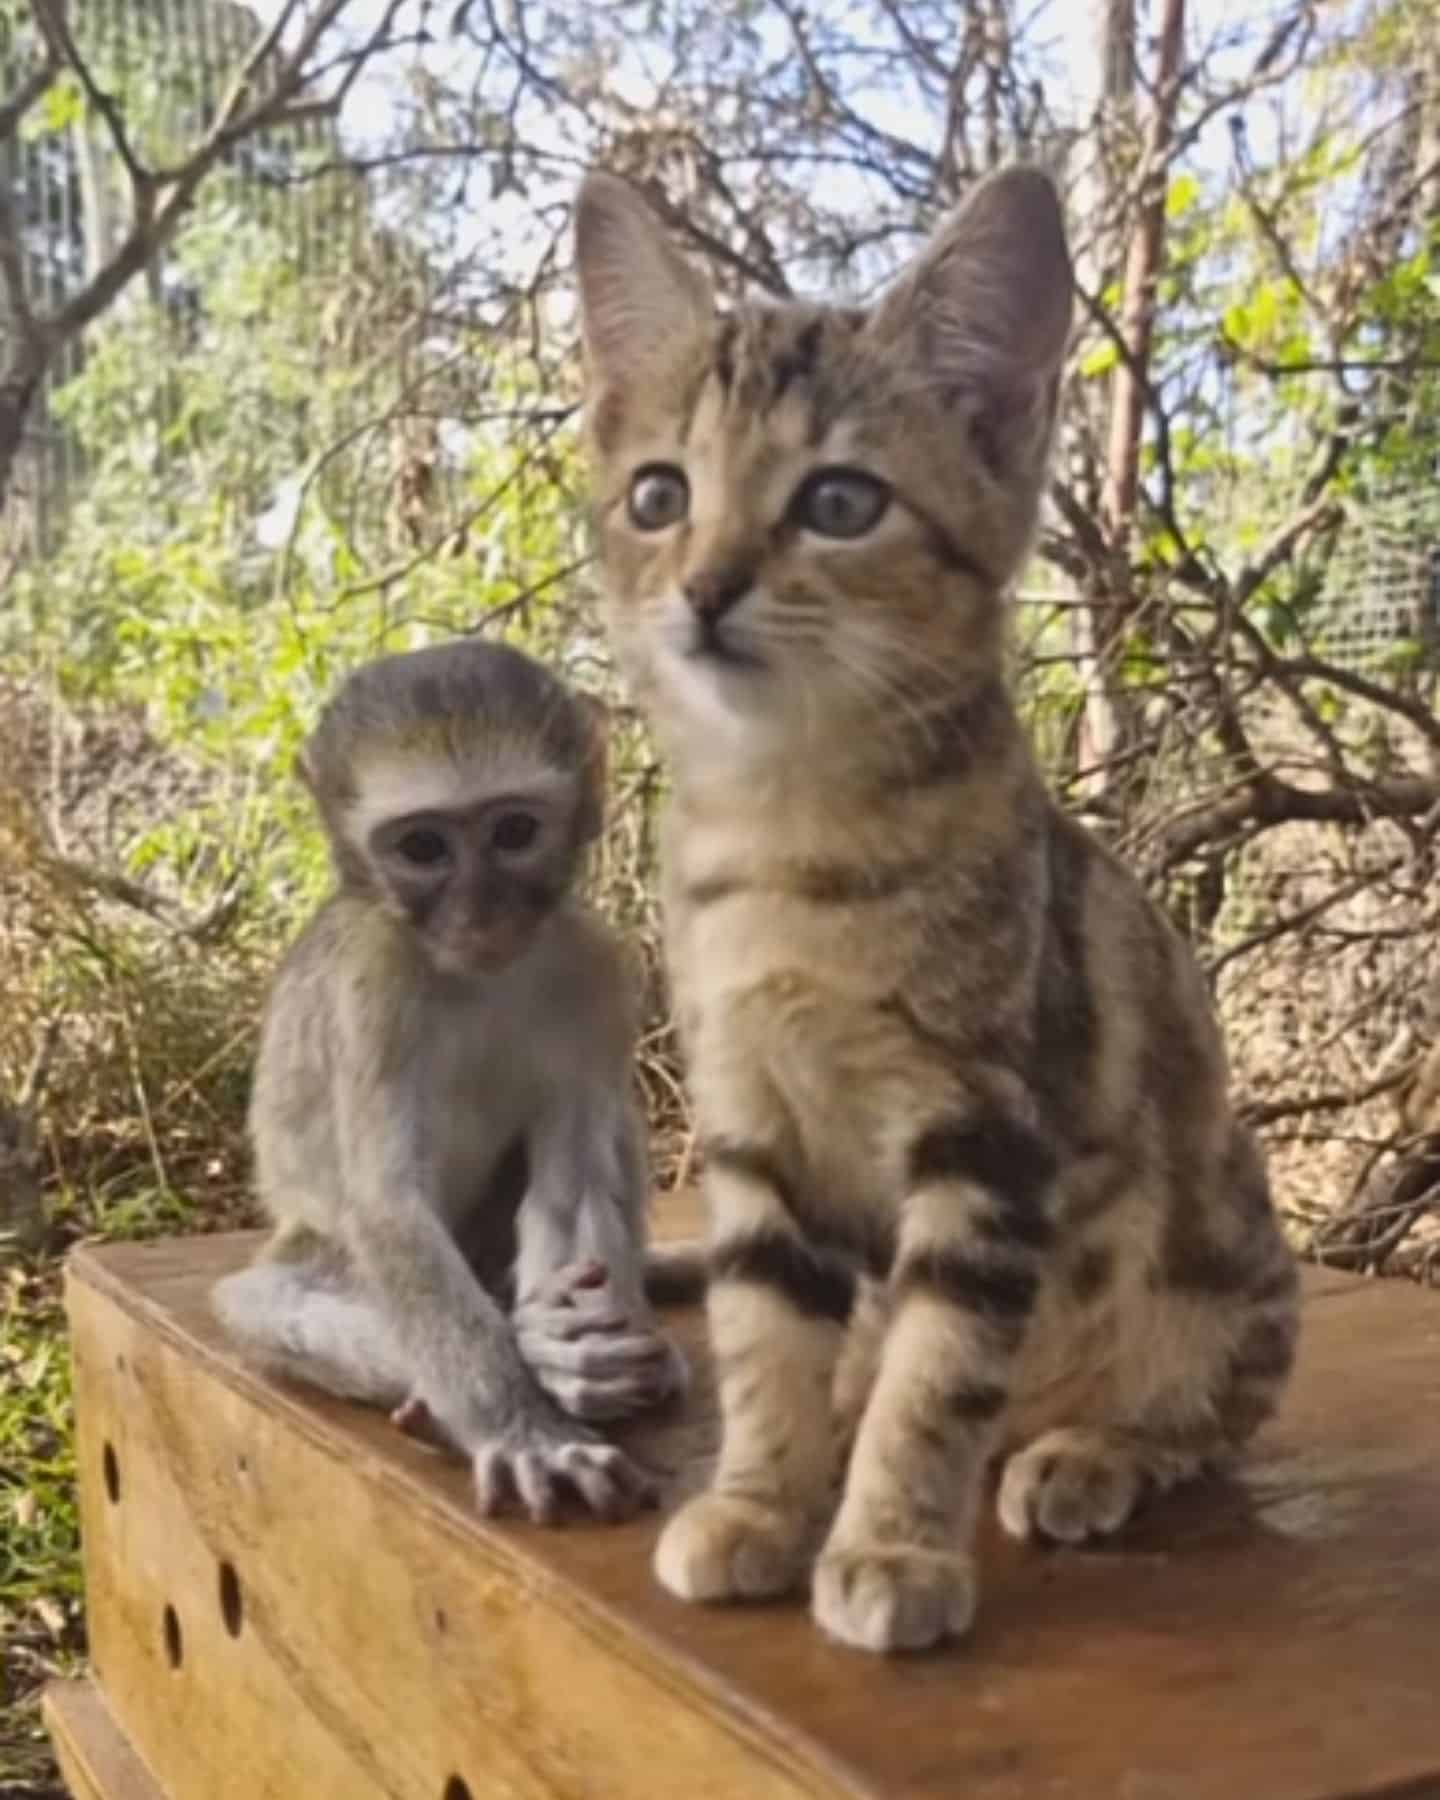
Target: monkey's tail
675, 1274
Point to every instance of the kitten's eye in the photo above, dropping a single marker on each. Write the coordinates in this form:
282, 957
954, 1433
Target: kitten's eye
841, 503
423, 848
515, 831
659, 496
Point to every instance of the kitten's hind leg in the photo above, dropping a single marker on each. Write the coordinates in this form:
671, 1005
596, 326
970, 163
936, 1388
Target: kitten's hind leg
1079, 1482
777, 1310
307, 1317
1203, 1370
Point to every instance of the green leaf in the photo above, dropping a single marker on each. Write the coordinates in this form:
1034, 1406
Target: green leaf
1100, 360
62, 105
1183, 194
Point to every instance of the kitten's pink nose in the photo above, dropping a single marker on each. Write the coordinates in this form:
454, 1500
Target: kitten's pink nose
713, 592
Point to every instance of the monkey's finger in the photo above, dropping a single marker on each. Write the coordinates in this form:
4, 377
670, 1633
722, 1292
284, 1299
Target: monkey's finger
642, 1485
596, 1357
599, 1402
589, 1275
567, 1321
536, 1486
493, 1486
558, 1288
612, 1486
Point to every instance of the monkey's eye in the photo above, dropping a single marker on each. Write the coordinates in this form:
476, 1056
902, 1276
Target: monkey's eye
515, 831
659, 496
422, 847
840, 503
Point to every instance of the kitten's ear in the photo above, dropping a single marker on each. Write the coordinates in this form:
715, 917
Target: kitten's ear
985, 309
638, 294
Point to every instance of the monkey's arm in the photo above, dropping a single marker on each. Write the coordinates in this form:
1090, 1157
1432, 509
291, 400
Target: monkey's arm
582, 1317
469, 1377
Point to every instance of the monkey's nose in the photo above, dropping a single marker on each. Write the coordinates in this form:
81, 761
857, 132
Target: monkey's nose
714, 592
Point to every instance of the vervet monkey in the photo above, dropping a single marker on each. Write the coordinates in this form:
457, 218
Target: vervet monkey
442, 1119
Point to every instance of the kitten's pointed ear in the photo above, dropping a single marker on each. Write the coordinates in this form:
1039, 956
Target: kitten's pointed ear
986, 308
638, 294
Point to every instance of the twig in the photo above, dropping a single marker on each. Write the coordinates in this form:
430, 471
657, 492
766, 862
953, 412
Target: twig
13, 110
37, 1076
1267, 1112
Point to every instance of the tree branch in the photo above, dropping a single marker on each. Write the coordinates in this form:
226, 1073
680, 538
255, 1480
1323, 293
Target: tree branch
50, 17
30, 90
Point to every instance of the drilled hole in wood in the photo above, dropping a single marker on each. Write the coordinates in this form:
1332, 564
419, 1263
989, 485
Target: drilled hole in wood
110, 1463
174, 1642
456, 1789
232, 1606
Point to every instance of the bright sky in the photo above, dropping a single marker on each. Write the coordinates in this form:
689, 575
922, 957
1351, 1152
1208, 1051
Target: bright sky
1070, 25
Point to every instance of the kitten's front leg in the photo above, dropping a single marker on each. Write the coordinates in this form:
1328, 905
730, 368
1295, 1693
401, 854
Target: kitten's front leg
777, 1311
896, 1572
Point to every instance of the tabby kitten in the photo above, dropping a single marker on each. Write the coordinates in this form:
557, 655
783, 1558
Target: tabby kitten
938, 1038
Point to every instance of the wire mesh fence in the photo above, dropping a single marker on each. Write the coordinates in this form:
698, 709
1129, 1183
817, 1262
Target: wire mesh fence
1379, 604
172, 61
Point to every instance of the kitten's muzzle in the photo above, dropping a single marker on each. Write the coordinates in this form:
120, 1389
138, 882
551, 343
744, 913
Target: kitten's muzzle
710, 595
714, 592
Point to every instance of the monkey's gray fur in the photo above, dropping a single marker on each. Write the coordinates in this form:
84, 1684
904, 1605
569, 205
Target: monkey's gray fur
442, 1121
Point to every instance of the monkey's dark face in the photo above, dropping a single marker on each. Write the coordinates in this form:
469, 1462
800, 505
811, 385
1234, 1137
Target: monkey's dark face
476, 883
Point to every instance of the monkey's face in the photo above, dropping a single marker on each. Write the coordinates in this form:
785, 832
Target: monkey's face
475, 884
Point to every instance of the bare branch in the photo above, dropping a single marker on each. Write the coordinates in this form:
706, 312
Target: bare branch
50, 16
1294, 1106
33, 88
1270, 802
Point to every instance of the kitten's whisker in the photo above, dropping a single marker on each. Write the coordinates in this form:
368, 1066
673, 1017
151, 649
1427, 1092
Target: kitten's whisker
884, 690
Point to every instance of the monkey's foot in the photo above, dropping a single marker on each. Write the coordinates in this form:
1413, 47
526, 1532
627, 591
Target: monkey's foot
720, 1547
593, 1361
415, 1419
538, 1471
885, 1597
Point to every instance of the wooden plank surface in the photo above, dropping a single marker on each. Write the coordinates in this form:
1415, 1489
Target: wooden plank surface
1275, 1637
96, 1761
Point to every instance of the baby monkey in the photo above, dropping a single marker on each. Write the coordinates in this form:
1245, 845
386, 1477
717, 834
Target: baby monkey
442, 1120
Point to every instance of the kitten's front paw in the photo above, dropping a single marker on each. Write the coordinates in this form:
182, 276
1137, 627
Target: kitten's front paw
1069, 1485
720, 1548
893, 1597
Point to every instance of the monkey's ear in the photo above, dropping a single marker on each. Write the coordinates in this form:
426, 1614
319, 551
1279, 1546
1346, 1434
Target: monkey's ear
594, 766
639, 297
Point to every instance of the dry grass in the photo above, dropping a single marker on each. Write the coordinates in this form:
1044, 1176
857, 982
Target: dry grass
140, 1132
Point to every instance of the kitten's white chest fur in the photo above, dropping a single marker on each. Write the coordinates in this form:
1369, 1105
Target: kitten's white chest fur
784, 1007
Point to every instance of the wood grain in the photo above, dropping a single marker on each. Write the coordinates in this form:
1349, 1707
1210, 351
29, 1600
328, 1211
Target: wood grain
1274, 1638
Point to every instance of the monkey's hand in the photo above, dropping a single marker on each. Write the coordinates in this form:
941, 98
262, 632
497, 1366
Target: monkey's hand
537, 1463
595, 1361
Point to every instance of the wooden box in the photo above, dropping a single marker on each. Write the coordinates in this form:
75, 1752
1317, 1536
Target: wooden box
290, 1601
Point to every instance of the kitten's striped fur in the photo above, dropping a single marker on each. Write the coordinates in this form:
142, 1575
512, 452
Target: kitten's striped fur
972, 1172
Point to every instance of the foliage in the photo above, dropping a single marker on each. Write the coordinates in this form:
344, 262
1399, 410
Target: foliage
39, 1538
